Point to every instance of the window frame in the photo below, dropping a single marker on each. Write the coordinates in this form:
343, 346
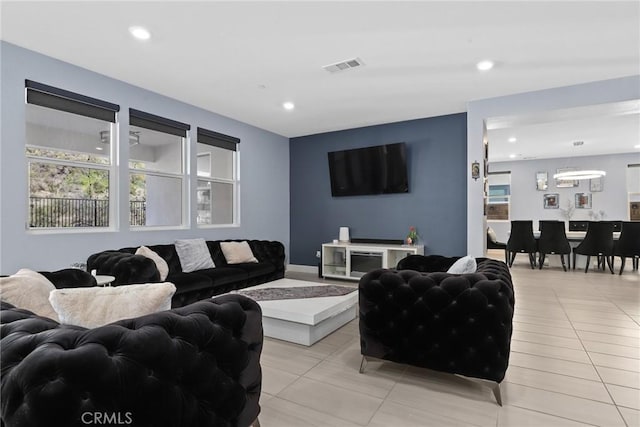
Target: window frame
39, 95
225, 142
161, 124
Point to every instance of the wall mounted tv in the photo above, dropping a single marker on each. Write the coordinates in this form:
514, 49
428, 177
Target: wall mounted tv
381, 169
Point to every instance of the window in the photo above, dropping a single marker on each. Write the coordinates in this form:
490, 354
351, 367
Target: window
69, 155
156, 170
499, 196
218, 181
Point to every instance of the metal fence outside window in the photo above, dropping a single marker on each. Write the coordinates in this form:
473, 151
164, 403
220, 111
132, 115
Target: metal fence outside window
58, 212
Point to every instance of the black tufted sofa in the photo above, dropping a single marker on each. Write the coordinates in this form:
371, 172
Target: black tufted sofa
128, 268
455, 323
197, 366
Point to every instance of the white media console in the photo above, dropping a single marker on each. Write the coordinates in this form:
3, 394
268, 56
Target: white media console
352, 260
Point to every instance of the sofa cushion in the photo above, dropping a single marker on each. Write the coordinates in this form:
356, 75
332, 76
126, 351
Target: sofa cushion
94, 307
28, 290
69, 278
194, 255
464, 265
256, 269
237, 252
426, 263
223, 275
161, 264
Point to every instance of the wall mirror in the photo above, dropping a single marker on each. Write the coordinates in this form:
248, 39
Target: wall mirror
566, 183
542, 183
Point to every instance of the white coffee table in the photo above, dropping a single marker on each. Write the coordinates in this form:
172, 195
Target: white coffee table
305, 321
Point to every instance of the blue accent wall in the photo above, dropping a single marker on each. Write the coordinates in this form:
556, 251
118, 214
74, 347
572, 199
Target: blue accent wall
436, 203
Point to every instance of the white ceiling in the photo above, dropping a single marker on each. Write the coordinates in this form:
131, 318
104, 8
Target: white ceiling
244, 59
603, 129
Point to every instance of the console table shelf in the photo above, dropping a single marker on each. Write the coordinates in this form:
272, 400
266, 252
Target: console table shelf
350, 261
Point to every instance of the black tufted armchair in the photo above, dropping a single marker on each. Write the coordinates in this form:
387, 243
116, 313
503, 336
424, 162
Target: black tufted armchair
455, 323
197, 366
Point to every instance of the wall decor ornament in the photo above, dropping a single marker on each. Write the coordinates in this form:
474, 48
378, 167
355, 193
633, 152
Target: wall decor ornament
568, 212
596, 184
542, 181
583, 200
475, 170
551, 201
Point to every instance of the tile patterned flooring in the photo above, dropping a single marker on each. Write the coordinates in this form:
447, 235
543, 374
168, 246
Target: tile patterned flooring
575, 360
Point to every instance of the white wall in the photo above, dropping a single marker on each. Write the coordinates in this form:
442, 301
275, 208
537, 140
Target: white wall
527, 202
614, 90
264, 169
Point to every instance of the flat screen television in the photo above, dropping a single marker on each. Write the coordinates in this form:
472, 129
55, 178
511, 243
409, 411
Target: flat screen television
381, 169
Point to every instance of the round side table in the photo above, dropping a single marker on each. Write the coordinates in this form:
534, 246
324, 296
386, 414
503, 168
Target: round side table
103, 280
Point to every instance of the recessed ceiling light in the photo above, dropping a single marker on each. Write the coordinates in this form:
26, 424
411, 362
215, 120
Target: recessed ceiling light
288, 105
484, 65
513, 156
636, 146
512, 139
99, 148
140, 33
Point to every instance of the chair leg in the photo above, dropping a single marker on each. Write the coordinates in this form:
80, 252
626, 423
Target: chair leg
610, 262
622, 261
496, 393
574, 260
532, 260
513, 257
506, 256
586, 269
562, 259
636, 261
541, 261
363, 364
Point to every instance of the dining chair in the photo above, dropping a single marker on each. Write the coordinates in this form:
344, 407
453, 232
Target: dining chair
493, 243
521, 240
628, 245
553, 240
597, 242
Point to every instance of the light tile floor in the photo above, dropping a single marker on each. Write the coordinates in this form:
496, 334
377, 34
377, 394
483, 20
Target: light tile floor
575, 360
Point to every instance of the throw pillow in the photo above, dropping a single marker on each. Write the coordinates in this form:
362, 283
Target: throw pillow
161, 264
194, 255
237, 252
29, 290
93, 307
491, 234
466, 264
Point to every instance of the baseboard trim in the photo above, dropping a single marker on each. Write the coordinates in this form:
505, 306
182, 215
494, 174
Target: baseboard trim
302, 268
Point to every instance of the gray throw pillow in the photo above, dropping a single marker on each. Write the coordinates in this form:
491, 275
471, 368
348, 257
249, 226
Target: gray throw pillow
194, 255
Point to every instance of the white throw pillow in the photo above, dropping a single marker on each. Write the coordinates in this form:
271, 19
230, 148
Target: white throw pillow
97, 306
493, 237
161, 264
29, 290
237, 252
466, 264
194, 255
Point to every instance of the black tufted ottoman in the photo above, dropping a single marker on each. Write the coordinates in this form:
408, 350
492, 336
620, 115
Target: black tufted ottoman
455, 323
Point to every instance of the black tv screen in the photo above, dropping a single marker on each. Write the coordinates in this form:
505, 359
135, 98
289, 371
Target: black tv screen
372, 170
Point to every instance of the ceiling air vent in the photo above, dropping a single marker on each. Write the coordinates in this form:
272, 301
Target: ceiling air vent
344, 65
578, 143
